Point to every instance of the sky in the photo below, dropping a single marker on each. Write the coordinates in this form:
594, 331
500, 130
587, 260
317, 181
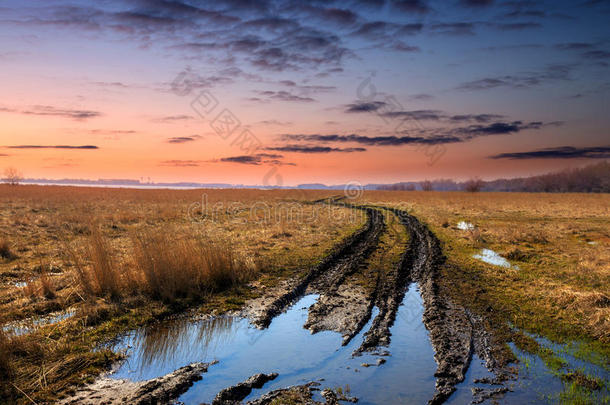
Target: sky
287, 92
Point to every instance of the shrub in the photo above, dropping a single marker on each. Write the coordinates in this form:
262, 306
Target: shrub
182, 266
5, 250
474, 185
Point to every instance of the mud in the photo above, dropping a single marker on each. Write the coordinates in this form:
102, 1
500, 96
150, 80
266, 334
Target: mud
236, 393
455, 333
345, 306
160, 390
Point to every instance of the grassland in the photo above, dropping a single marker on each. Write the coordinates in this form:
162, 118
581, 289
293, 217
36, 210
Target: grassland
559, 247
119, 258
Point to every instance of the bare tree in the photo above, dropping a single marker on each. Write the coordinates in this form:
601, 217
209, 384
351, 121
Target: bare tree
474, 185
426, 185
12, 176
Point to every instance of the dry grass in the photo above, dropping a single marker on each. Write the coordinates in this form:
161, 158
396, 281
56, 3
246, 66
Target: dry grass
5, 250
141, 256
181, 266
560, 242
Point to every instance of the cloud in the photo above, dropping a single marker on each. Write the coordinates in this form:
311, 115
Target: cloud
312, 149
454, 28
422, 97
423, 115
365, 107
180, 163
52, 147
47, 110
284, 96
518, 26
174, 118
475, 117
597, 54
257, 159
563, 152
275, 123
373, 141
477, 3
524, 80
497, 128
411, 6
4, 155
183, 139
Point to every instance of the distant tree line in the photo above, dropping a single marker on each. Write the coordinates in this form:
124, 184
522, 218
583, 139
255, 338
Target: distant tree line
594, 178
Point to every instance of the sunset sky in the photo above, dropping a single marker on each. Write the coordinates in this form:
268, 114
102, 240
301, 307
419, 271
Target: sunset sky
249, 92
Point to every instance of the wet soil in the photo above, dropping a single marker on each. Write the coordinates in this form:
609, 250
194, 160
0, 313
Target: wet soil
346, 307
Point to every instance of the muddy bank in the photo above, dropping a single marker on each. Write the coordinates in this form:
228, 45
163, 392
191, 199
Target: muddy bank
156, 391
455, 333
236, 393
326, 278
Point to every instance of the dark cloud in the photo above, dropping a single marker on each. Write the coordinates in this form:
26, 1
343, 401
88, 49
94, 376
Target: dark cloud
497, 128
183, 139
365, 107
524, 80
475, 117
420, 115
52, 147
411, 6
373, 141
180, 163
47, 110
284, 96
423, 115
4, 155
453, 28
597, 54
563, 152
312, 149
257, 159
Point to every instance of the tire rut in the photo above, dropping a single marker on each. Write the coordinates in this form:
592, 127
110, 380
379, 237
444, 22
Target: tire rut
455, 333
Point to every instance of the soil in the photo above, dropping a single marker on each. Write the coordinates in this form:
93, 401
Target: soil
346, 307
160, 390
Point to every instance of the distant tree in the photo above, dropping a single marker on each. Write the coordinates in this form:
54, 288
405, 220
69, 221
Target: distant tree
473, 185
12, 176
426, 185
410, 187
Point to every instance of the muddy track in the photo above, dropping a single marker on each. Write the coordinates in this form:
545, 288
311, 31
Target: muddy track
328, 275
344, 307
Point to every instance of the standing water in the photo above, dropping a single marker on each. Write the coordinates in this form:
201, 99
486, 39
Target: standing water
289, 350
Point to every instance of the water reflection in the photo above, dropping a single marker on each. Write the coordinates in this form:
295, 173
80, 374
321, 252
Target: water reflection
165, 344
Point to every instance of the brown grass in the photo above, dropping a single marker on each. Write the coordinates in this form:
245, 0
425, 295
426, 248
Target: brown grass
562, 287
182, 266
5, 250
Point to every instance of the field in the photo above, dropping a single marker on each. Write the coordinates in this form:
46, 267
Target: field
111, 260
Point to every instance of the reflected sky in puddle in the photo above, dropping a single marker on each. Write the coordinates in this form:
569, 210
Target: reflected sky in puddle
288, 349
491, 257
25, 326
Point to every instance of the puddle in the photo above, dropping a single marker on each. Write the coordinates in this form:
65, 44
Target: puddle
290, 350
20, 284
26, 326
539, 380
491, 257
465, 226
